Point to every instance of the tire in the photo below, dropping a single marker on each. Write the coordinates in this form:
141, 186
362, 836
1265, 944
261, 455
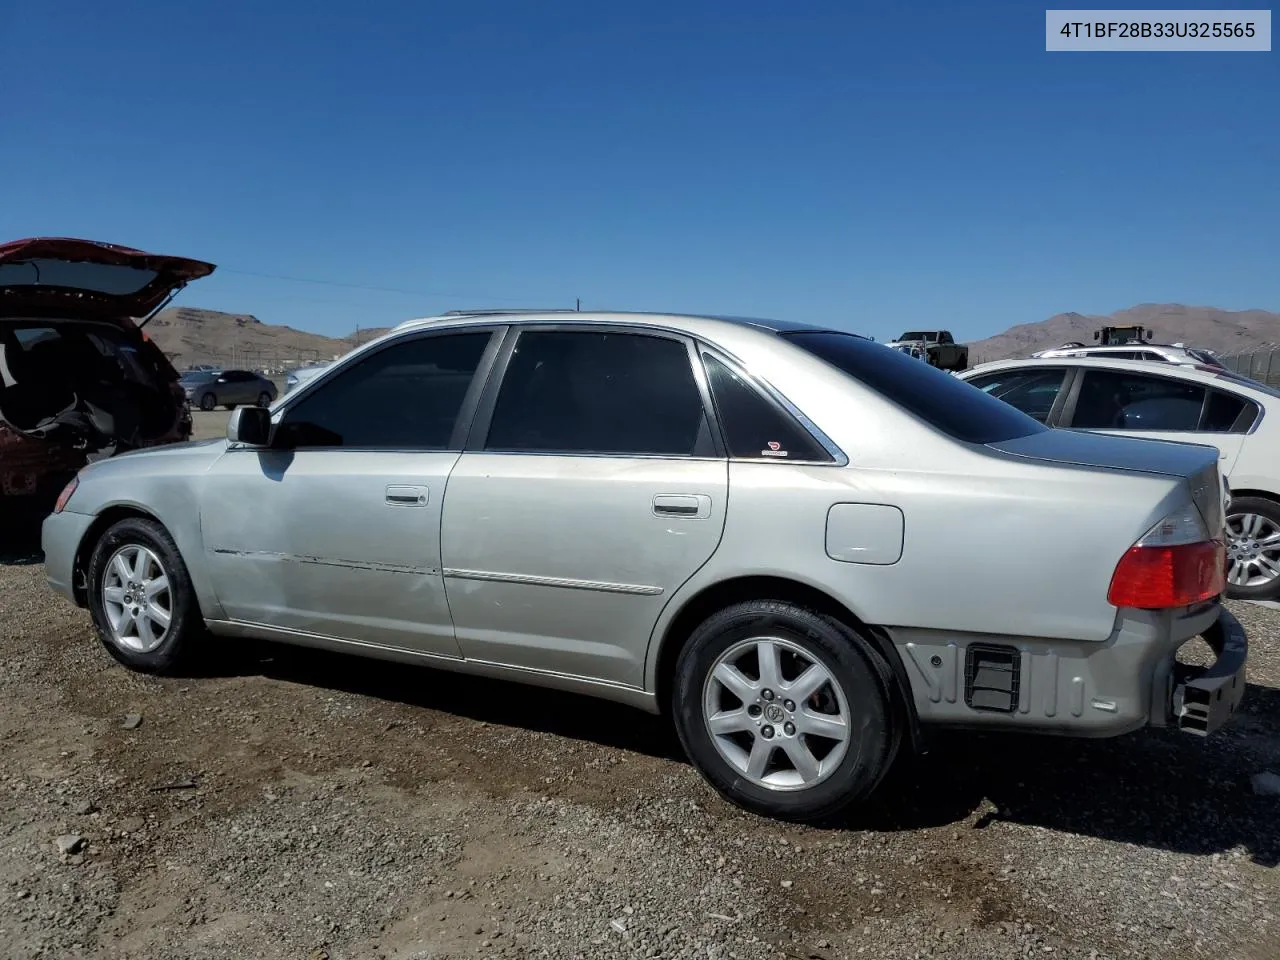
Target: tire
228, 406
131, 539
857, 684
1251, 521
264, 399
208, 402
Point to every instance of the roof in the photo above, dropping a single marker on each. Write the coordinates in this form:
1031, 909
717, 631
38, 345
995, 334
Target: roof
673, 320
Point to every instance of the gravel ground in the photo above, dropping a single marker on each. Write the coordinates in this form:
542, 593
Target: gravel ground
283, 803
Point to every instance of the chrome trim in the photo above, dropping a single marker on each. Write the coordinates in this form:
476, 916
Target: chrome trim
567, 583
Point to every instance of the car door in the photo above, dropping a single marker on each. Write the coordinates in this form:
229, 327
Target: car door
334, 530
1036, 391
593, 486
1160, 406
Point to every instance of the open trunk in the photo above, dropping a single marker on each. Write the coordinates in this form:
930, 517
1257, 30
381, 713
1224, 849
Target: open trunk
91, 386
78, 378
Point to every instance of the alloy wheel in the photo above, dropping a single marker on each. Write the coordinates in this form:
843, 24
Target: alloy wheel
776, 714
1253, 550
137, 599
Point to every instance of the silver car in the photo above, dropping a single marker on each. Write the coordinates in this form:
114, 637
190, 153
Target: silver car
799, 545
208, 389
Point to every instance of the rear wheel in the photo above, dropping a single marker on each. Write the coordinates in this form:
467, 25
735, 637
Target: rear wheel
140, 596
208, 402
785, 711
1253, 549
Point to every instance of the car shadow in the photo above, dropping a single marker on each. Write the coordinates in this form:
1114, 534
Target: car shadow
1159, 789
1164, 790
20, 536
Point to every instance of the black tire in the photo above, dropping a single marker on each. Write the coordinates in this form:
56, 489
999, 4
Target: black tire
208, 402
1269, 511
228, 406
186, 623
865, 680
264, 399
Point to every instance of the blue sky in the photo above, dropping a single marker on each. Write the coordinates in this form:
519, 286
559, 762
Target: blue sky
871, 165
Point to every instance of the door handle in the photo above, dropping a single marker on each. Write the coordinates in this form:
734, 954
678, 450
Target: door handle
403, 495
688, 506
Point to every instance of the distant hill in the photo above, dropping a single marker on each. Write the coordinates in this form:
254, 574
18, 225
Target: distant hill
1223, 331
189, 335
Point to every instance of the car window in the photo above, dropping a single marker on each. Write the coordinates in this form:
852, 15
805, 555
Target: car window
623, 394
939, 399
406, 396
1031, 391
755, 427
1149, 355
1116, 400
1227, 413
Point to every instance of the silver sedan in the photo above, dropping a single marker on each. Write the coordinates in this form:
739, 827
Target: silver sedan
798, 544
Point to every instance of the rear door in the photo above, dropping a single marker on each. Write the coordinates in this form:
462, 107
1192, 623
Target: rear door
1161, 407
592, 487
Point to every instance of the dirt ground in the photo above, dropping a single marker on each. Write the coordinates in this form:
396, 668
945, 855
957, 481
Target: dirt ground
284, 803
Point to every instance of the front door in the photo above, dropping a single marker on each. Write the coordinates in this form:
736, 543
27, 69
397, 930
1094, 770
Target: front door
592, 492
335, 530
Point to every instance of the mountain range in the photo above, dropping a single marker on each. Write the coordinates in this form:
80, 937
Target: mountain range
190, 335
1225, 332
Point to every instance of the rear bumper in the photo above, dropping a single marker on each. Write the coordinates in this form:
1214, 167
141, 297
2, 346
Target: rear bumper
1079, 688
1204, 698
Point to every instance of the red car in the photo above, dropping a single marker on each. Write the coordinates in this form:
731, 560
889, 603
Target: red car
79, 379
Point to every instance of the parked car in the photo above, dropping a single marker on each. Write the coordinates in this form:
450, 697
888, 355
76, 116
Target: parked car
228, 388
200, 368
300, 375
1171, 402
78, 377
793, 541
938, 346
1156, 352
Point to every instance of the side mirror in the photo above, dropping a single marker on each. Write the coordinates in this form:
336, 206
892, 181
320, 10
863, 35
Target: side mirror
250, 425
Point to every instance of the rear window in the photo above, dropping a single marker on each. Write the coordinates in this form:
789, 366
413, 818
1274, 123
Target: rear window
939, 399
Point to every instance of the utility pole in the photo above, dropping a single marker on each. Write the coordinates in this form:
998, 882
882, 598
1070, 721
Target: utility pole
578, 305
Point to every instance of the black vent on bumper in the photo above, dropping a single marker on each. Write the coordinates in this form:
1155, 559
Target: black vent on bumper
991, 677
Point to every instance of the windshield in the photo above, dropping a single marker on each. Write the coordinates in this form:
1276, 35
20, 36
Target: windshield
939, 399
919, 335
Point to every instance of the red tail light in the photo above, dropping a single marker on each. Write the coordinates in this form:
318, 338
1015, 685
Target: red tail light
1174, 564
1155, 578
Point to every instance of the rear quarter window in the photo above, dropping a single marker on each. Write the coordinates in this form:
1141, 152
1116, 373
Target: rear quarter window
946, 403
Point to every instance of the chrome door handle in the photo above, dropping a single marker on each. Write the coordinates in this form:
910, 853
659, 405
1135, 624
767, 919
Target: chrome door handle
403, 495
689, 506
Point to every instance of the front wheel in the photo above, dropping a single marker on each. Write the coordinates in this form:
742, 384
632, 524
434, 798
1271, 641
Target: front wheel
140, 596
264, 399
785, 711
1253, 549
208, 402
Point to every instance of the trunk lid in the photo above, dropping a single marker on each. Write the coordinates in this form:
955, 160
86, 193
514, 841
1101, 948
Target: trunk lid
62, 277
1195, 463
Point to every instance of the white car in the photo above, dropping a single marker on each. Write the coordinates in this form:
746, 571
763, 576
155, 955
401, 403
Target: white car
1157, 352
300, 375
1196, 404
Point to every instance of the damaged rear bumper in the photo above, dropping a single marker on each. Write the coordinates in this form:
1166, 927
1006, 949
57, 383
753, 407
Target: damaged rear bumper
1204, 698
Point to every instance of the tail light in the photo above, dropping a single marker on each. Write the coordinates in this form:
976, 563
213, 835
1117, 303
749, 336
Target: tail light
65, 495
1175, 564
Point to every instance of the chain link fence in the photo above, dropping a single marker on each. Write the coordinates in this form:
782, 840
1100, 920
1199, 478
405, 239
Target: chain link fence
1260, 365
